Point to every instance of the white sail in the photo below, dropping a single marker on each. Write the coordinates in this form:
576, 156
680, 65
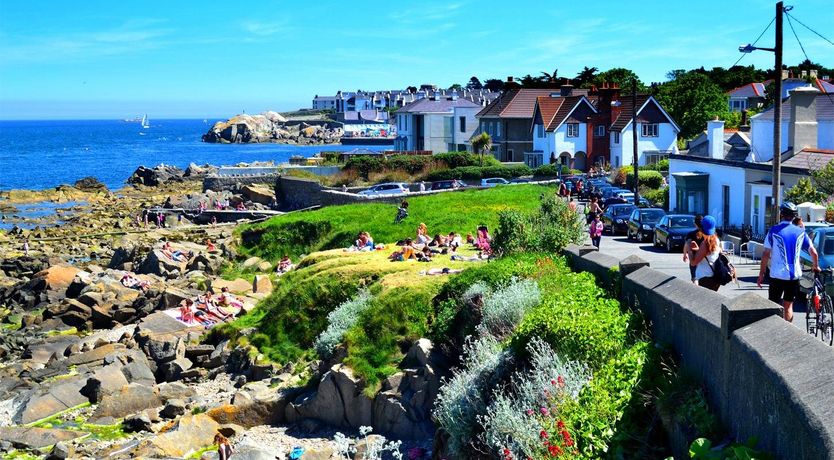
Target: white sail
145, 123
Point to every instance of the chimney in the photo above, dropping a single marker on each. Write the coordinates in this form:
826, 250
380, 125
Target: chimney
454, 95
812, 73
803, 74
436, 96
566, 90
510, 79
744, 126
715, 139
785, 74
802, 131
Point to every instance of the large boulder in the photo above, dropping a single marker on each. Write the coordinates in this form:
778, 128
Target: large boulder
129, 399
156, 176
157, 263
90, 184
37, 438
338, 401
191, 433
262, 409
259, 194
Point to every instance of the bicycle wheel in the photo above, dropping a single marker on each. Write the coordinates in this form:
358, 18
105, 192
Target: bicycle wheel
811, 316
826, 320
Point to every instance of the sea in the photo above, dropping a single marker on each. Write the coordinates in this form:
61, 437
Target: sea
45, 154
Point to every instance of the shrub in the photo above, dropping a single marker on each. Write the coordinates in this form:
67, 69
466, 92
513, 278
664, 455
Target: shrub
547, 171
504, 308
462, 397
550, 229
662, 165
650, 179
339, 321
458, 159
364, 165
804, 191
659, 197
517, 416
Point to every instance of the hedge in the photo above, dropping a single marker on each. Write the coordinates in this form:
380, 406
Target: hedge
650, 179
415, 164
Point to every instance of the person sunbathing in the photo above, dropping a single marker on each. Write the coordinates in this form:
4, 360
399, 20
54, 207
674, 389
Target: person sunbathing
476, 258
483, 242
284, 265
210, 246
423, 237
454, 241
440, 271
227, 299
424, 255
438, 241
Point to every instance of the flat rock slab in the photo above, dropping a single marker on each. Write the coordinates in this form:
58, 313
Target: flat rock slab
160, 323
192, 433
238, 286
37, 438
41, 352
130, 399
60, 397
94, 356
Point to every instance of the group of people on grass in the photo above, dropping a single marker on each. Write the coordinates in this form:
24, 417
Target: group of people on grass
209, 309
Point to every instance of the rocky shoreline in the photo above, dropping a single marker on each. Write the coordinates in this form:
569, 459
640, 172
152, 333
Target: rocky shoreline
271, 127
93, 368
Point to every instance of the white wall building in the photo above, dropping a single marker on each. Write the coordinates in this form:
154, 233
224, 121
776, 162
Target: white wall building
657, 133
432, 123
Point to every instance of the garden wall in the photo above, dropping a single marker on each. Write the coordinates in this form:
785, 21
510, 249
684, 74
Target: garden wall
765, 377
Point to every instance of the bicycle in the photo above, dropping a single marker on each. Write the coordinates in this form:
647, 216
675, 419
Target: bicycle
819, 320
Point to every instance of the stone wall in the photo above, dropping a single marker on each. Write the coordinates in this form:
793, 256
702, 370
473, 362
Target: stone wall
221, 183
764, 377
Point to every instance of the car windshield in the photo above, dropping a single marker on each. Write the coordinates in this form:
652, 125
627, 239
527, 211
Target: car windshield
682, 222
652, 216
622, 210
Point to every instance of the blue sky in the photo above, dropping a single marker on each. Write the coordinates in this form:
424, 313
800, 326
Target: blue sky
185, 59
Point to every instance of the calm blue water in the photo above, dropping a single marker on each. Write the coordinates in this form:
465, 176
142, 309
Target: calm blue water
42, 154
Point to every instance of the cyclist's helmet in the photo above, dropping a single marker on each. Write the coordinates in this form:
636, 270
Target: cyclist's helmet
788, 209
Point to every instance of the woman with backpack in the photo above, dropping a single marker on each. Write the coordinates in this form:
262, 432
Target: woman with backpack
595, 229
707, 254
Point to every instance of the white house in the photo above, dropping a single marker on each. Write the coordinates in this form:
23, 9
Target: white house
464, 127
560, 128
432, 124
657, 133
722, 173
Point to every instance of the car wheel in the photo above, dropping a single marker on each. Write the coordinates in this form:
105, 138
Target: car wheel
668, 245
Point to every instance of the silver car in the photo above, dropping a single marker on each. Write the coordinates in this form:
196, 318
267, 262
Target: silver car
387, 189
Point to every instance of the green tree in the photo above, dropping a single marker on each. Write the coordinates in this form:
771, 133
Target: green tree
586, 76
804, 191
824, 179
494, 84
692, 100
474, 83
456, 86
620, 76
482, 143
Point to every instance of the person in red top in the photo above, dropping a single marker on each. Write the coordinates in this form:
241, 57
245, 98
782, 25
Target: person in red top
595, 230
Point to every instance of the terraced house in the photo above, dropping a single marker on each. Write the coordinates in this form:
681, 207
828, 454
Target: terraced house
581, 130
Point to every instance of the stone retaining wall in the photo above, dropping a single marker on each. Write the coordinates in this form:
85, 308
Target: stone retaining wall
220, 183
764, 377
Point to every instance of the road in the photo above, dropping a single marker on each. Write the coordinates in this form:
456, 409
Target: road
747, 271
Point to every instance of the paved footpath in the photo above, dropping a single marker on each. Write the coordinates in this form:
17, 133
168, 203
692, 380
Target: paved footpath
620, 247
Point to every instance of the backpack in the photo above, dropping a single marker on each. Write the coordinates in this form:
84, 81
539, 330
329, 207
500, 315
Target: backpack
722, 270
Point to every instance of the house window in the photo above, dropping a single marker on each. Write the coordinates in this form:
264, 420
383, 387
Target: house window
498, 129
462, 124
652, 158
600, 131
616, 137
738, 105
573, 129
726, 217
649, 129
539, 130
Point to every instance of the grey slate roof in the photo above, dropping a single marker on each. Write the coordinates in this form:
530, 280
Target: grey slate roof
427, 105
736, 146
825, 109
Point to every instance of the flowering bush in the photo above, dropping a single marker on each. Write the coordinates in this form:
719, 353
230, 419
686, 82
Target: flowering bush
339, 321
374, 446
463, 396
518, 420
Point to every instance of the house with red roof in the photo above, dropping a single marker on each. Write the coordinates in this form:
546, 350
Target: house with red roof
749, 96
595, 129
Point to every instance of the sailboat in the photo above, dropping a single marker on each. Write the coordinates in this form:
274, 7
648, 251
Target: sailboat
145, 123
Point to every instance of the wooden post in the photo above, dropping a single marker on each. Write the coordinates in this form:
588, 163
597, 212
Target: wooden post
634, 109
777, 120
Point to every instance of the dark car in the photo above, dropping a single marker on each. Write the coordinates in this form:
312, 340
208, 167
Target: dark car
615, 217
672, 229
823, 240
642, 221
612, 201
447, 184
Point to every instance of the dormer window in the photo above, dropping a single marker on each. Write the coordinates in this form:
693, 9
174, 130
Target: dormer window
573, 130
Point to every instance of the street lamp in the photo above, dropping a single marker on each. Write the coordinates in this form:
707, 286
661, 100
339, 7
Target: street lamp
777, 109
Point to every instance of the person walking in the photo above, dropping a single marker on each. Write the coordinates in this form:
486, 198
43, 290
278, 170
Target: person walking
707, 254
26, 247
422, 186
572, 204
563, 190
595, 230
782, 246
689, 249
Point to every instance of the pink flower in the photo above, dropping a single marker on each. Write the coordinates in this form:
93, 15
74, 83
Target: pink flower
544, 411
530, 412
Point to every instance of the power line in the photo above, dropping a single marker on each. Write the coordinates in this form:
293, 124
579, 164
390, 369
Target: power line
812, 30
797, 37
757, 41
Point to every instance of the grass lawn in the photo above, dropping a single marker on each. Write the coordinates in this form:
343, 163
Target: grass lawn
337, 226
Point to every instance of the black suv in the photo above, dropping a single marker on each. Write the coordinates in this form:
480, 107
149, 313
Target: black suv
615, 217
642, 221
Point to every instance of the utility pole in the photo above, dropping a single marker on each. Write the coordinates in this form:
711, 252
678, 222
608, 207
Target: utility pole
777, 119
634, 109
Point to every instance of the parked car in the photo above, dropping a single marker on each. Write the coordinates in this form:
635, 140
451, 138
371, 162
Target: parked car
672, 229
642, 221
390, 188
615, 217
612, 201
628, 196
823, 240
608, 193
493, 181
447, 184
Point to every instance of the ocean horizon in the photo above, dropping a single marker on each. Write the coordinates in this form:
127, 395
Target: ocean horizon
40, 154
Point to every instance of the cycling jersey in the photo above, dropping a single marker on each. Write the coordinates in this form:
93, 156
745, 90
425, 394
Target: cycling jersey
785, 241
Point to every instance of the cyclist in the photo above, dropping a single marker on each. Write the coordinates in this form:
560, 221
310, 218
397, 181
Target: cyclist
782, 245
